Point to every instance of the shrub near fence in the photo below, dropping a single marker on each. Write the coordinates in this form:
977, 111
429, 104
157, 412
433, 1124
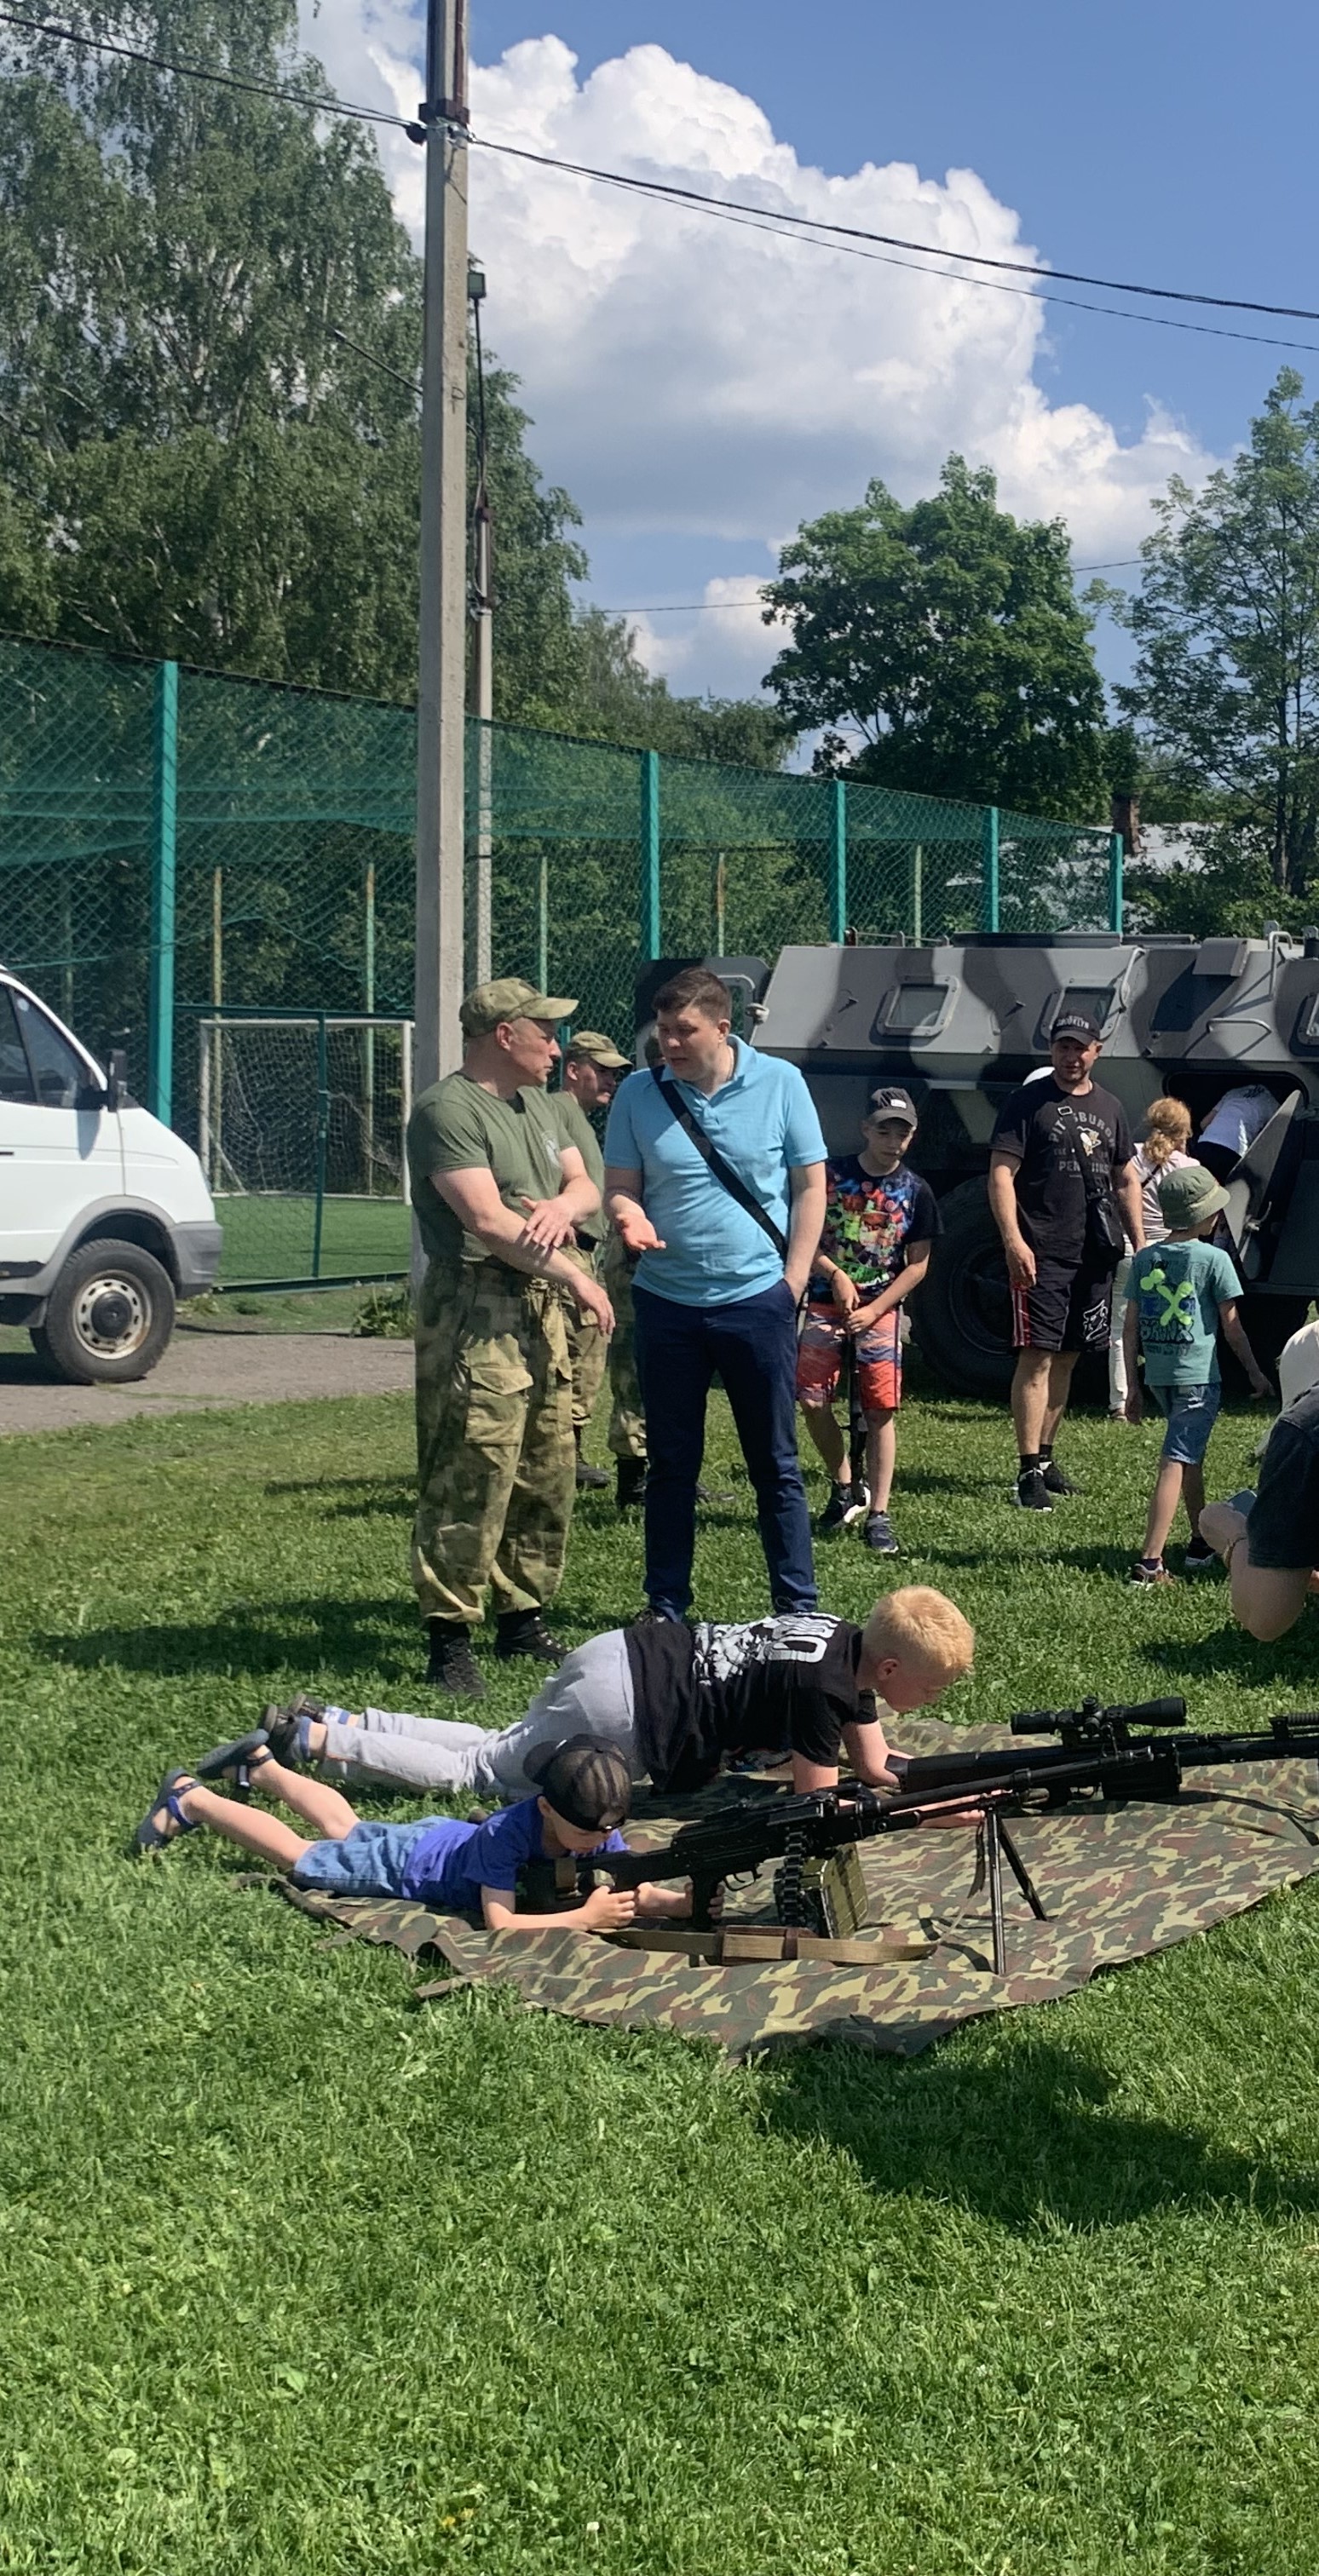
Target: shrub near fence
186, 858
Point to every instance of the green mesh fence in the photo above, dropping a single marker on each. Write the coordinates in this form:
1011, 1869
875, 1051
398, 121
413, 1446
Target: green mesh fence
217, 874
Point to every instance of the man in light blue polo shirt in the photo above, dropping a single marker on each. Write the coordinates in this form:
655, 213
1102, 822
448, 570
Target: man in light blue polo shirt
713, 1290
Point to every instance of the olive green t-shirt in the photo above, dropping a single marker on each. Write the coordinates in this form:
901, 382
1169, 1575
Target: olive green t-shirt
457, 1126
575, 1129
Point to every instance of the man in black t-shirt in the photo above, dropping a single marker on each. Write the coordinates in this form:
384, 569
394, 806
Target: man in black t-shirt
676, 1699
1270, 1542
1061, 1149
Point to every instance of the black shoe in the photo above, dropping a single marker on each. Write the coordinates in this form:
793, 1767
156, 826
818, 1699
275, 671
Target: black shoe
452, 1666
1199, 1559
1055, 1482
1032, 1492
590, 1480
230, 1761
629, 1483
841, 1509
523, 1632
879, 1535
713, 1494
282, 1721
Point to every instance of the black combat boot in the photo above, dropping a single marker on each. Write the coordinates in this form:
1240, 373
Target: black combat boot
452, 1666
589, 1479
523, 1632
629, 1483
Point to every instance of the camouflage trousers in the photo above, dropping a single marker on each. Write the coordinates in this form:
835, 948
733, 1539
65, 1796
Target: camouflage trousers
587, 1347
627, 1417
495, 1455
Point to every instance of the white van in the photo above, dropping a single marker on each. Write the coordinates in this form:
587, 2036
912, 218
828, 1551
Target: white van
105, 1218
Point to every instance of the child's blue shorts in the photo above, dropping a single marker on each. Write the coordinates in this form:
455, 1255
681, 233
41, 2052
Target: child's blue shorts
1191, 1413
372, 1860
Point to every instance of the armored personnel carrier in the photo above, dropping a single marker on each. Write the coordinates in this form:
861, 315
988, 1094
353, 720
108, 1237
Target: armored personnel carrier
960, 1025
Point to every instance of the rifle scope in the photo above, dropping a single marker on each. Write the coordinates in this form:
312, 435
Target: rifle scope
1090, 1717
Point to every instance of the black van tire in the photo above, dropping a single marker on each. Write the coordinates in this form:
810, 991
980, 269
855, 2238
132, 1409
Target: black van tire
961, 1319
108, 1317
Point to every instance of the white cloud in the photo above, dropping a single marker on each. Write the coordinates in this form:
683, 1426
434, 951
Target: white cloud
688, 375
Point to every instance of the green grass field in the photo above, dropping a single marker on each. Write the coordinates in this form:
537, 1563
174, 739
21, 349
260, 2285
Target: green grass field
297, 2277
271, 1236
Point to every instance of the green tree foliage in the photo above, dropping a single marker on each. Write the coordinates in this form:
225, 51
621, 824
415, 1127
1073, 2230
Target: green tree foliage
1225, 693
210, 335
948, 637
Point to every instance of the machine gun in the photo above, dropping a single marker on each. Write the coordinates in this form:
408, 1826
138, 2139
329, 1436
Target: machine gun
796, 1829
1104, 1734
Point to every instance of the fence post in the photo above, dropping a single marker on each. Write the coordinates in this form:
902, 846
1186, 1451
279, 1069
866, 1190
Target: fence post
1116, 860
838, 862
164, 836
322, 1139
649, 911
989, 869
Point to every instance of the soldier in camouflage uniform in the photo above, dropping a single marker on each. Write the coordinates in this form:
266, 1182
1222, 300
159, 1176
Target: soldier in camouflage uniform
591, 1068
497, 1193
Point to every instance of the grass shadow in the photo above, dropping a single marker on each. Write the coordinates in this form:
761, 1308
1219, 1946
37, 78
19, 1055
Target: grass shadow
325, 1634
1018, 2134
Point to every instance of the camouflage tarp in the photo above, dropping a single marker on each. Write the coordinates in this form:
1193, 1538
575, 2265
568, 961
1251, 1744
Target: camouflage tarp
1115, 1882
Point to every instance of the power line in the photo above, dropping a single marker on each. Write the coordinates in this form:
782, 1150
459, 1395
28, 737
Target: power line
198, 71
779, 221
897, 241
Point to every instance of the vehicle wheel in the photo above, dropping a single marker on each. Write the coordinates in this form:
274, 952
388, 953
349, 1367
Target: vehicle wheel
109, 1315
961, 1319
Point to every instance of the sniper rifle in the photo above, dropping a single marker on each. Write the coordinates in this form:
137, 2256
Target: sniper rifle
1106, 1733
798, 1828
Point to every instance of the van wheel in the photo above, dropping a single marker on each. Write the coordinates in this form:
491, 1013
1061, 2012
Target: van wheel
961, 1318
108, 1317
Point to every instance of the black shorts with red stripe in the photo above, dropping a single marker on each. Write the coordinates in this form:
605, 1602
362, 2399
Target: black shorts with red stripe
1066, 1310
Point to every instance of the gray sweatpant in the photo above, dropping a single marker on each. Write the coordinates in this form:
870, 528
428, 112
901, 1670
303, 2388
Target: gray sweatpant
591, 1694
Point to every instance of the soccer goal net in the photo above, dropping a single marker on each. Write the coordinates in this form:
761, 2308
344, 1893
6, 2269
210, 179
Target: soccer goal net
300, 1130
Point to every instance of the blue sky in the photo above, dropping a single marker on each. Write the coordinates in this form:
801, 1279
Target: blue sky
699, 391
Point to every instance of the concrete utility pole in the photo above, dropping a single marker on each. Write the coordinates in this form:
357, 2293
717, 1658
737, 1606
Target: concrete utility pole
443, 623
483, 657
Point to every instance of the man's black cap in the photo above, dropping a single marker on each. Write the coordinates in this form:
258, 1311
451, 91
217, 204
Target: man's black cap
586, 1782
892, 1102
1076, 1024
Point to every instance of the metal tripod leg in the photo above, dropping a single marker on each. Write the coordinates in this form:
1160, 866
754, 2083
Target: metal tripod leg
994, 1842
1021, 1874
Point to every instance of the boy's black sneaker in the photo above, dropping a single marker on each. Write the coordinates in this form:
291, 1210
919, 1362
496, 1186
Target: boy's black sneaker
523, 1632
1032, 1492
841, 1509
282, 1720
1151, 1569
1055, 1482
1199, 1560
452, 1666
879, 1535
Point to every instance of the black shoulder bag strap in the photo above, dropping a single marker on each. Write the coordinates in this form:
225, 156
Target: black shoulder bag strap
723, 1172
1103, 1224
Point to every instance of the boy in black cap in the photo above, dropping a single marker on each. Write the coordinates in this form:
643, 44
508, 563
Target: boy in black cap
1061, 1155
439, 1863
880, 1221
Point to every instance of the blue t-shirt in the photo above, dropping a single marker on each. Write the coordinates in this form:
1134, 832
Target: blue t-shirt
1178, 1289
763, 1121
450, 1863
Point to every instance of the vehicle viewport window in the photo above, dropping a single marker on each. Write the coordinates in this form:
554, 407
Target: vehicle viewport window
915, 1007
15, 1078
57, 1073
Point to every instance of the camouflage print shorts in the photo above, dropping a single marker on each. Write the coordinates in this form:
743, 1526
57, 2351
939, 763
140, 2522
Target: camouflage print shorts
495, 1454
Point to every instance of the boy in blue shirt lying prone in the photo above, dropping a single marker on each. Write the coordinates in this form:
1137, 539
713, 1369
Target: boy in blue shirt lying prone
449, 1867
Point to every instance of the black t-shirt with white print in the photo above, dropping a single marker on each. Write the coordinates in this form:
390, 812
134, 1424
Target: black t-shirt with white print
704, 1690
1050, 1129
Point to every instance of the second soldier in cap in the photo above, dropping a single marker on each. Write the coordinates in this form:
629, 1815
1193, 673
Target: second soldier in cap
591, 1069
497, 1193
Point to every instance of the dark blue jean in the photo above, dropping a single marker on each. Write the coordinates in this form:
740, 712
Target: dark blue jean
752, 1346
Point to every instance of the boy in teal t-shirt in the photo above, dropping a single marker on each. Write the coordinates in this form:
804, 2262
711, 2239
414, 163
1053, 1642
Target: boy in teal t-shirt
1178, 1294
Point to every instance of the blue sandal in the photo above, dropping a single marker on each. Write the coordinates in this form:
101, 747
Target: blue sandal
150, 1836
